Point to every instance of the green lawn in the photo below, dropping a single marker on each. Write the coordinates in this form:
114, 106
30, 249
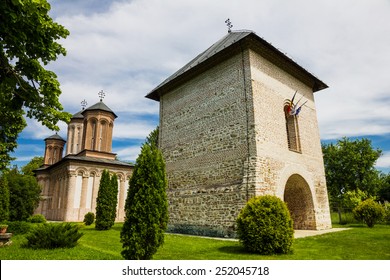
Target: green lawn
357, 243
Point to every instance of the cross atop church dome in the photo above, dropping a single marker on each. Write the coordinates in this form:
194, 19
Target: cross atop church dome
84, 104
101, 94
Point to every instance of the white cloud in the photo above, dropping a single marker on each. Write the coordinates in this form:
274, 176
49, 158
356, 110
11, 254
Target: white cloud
136, 130
129, 153
131, 46
384, 160
35, 130
128, 47
31, 148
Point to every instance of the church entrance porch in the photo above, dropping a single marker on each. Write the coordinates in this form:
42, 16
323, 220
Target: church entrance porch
299, 201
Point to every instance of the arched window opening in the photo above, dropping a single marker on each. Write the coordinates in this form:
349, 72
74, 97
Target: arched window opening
71, 140
55, 154
84, 142
292, 130
78, 140
50, 155
93, 139
103, 136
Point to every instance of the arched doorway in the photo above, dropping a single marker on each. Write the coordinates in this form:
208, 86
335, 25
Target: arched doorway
299, 201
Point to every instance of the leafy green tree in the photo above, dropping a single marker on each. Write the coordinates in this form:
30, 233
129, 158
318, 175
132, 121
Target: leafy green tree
103, 203
369, 212
349, 166
34, 164
384, 191
24, 193
351, 199
4, 199
386, 208
28, 40
146, 206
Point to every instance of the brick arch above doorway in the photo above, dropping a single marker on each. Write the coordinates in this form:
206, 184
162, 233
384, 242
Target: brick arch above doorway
299, 201
298, 174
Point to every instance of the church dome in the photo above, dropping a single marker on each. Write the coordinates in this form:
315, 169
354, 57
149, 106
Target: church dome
100, 106
55, 137
78, 115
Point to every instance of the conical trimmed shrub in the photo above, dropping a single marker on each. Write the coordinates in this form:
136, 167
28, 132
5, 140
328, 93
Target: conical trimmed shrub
106, 202
146, 206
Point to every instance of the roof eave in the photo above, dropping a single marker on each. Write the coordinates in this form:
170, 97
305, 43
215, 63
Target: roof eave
156, 93
251, 41
284, 62
100, 106
72, 158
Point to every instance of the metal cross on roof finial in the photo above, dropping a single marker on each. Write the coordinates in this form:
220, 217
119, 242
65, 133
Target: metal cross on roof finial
229, 25
101, 95
84, 104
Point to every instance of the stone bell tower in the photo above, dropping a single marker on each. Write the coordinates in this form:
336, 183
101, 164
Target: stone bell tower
230, 129
98, 124
54, 146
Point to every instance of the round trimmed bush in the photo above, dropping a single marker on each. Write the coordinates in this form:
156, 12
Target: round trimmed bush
264, 226
369, 212
37, 219
89, 218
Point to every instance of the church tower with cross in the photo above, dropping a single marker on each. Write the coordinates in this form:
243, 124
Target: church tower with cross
70, 184
90, 131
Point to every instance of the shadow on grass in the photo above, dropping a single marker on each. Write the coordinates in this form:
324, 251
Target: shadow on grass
241, 252
237, 250
233, 249
357, 226
117, 229
92, 228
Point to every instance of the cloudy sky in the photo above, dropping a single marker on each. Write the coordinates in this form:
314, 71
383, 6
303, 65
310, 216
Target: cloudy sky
127, 47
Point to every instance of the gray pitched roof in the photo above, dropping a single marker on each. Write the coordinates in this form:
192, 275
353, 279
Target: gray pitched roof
215, 48
236, 40
78, 115
98, 160
101, 161
100, 106
55, 137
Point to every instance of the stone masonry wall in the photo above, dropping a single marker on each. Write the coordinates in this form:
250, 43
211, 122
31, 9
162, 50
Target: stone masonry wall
203, 136
276, 163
